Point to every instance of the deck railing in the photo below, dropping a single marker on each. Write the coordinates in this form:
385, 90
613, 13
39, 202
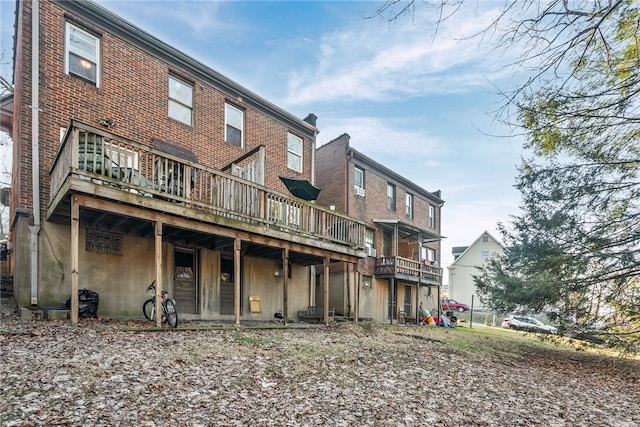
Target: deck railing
408, 269
94, 155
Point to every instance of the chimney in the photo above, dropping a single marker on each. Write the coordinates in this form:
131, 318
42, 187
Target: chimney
311, 119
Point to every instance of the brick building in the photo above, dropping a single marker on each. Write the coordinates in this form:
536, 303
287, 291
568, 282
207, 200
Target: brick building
141, 163
402, 236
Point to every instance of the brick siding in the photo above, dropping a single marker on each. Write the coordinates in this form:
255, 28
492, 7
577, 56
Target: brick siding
134, 94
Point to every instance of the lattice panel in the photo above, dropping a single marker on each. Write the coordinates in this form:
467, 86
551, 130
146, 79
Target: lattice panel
103, 242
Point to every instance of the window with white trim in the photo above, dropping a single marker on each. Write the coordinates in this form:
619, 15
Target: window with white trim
180, 100
82, 54
294, 152
485, 255
409, 205
428, 254
358, 177
234, 125
432, 216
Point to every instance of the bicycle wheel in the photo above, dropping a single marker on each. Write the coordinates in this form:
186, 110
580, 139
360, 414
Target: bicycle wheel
171, 312
148, 309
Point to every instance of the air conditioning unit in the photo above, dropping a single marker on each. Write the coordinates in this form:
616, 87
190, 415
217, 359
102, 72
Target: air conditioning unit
371, 252
359, 191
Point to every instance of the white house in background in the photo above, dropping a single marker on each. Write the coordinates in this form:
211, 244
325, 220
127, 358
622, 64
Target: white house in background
466, 261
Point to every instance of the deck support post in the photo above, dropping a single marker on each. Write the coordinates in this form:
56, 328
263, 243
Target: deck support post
75, 236
158, 262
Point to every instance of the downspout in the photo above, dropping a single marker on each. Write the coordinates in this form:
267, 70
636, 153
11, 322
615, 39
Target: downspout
419, 276
348, 199
35, 147
312, 268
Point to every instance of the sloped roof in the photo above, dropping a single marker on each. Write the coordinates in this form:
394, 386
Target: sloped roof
6, 112
409, 229
458, 249
473, 244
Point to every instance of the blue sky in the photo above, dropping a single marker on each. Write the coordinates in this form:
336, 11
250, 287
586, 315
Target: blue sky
416, 101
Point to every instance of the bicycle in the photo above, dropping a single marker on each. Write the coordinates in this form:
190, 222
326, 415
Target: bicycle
169, 312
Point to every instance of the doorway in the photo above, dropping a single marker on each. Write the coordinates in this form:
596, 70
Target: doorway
407, 300
393, 295
185, 284
387, 242
227, 291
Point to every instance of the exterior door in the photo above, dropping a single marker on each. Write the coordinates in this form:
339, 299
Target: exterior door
185, 283
393, 295
387, 243
407, 300
226, 286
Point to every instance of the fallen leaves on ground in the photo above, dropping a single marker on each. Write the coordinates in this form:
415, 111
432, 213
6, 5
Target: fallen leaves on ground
117, 373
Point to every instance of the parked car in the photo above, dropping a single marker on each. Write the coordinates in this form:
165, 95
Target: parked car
530, 324
451, 304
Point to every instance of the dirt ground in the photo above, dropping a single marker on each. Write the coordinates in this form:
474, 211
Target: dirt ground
118, 373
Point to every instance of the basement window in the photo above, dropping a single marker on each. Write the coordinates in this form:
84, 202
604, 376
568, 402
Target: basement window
103, 242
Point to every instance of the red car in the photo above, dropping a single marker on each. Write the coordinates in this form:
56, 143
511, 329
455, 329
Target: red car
451, 304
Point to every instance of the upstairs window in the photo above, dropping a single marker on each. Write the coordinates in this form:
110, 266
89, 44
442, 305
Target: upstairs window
391, 197
358, 181
234, 125
409, 205
180, 101
294, 152
432, 217
428, 255
358, 177
82, 54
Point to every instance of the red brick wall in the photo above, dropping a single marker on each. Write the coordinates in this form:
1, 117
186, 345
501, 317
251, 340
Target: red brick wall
134, 93
332, 173
21, 175
335, 169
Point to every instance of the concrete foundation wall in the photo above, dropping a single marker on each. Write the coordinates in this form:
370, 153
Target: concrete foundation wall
121, 280
21, 261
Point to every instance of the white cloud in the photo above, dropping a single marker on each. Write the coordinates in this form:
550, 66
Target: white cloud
205, 18
376, 62
383, 140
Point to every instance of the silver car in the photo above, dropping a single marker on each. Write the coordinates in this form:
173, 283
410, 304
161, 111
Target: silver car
530, 324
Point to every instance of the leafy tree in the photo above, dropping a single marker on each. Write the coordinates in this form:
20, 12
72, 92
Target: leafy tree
576, 244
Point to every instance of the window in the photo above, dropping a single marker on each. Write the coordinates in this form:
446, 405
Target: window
369, 238
432, 217
358, 177
234, 125
294, 152
180, 101
82, 55
431, 255
485, 255
409, 205
428, 254
391, 197
485, 238
366, 281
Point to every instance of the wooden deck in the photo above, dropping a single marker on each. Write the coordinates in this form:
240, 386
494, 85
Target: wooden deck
408, 270
105, 166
